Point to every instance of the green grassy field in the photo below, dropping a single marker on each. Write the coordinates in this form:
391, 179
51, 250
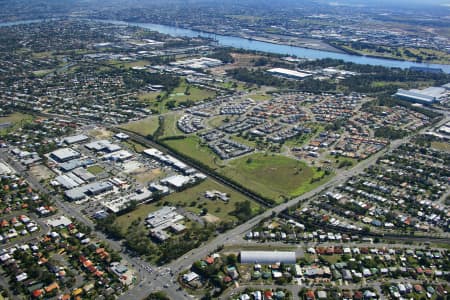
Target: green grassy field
128, 65
16, 119
273, 176
141, 211
170, 125
194, 93
190, 146
143, 127
42, 73
180, 94
136, 147
428, 55
260, 97
193, 200
95, 169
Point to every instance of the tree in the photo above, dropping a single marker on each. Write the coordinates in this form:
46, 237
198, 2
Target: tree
157, 296
231, 259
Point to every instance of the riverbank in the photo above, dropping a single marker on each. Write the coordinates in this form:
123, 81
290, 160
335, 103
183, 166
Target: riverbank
351, 51
262, 46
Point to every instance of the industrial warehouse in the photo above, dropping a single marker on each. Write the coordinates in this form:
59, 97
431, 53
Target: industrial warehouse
426, 96
267, 257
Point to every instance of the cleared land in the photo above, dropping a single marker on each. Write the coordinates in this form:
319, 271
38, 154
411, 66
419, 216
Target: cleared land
15, 119
443, 146
144, 176
190, 146
260, 97
273, 176
143, 127
184, 93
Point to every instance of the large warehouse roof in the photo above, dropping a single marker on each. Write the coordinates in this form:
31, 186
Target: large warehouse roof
267, 257
289, 73
65, 154
414, 96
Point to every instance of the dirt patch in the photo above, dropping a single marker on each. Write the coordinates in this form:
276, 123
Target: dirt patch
240, 61
41, 172
100, 133
211, 218
144, 175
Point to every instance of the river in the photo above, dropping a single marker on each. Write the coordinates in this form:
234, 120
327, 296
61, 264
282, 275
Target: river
247, 44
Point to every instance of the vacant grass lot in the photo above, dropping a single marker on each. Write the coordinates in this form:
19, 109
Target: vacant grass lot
443, 146
95, 169
141, 212
273, 176
143, 127
190, 146
260, 97
170, 125
16, 119
184, 92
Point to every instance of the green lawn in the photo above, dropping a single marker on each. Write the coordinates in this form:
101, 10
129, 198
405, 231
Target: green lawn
332, 259
180, 94
16, 119
95, 169
143, 127
260, 97
190, 146
217, 121
141, 211
273, 176
244, 141
128, 65
170, 125
193, 93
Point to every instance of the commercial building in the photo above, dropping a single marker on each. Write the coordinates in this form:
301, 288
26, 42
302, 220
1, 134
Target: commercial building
426, 96
163, 218
75, 163
177, 181
91, 189
103, 145
267, 257
75, 139
118, 156
64, 154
